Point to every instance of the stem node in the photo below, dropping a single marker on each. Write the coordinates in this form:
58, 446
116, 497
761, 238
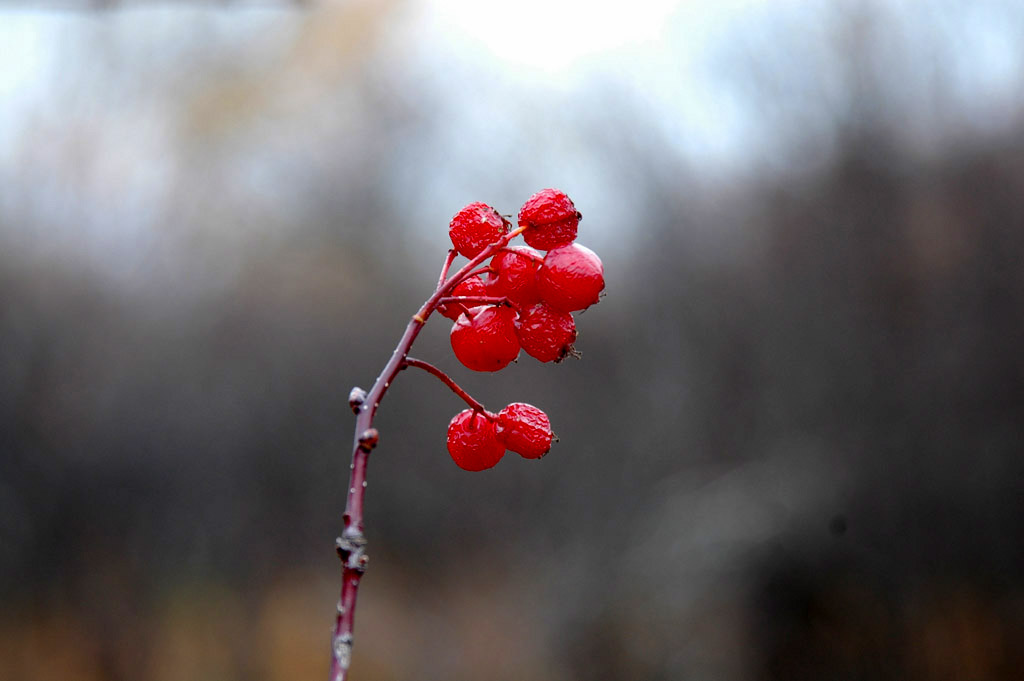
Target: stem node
368, 440
351, 549
342, 648
356, 399
351, 546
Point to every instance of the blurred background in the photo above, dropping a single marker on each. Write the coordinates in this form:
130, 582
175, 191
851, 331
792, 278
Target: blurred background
793, 446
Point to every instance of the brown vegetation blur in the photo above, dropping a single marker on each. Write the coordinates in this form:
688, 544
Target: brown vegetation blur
792, 449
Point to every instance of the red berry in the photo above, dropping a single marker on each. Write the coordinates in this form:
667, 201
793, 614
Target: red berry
550, 219
524, 429
571, 278
476, 227
546, 334
473, 441
474, 286
485, 338
515, 274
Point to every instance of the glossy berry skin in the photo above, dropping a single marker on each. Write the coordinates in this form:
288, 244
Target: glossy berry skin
476, 227
474, 286
571, 278
473, 441
546, 334
550, 219
485, 338
515, 275
524, 429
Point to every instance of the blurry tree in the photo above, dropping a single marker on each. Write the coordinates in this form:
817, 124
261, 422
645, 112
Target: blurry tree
805, 441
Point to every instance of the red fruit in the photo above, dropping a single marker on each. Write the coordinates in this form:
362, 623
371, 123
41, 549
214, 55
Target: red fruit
550, 219
546, 334
473, 441
515, 275
474, 286
571, 278
524, 429
485, 338
476, 227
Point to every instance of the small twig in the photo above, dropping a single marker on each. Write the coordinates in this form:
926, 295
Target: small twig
526, 254
351, 545
469, 301
475, 300
452, 254
448, 381
463, 310
478, 272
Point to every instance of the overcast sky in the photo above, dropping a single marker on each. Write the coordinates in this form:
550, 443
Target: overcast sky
92, 135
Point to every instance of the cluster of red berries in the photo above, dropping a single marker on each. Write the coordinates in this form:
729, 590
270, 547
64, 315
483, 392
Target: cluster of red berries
540, 291
531, 297
478, 440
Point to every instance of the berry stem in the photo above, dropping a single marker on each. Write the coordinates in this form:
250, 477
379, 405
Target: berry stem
479, 271
448, 381
351, 545
532, 256
467, 269
475, 300
469, 301
452, 254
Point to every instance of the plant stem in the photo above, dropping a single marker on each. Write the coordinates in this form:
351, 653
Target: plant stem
466, 302
526, 254
482, 270
449, 259
448, 381
474, 300
351, 545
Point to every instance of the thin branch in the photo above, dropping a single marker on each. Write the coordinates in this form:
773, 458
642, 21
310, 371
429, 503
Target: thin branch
452, 253
470, 301
462, 309
448, 381
351, 545
482, 270
526, 254
475, 300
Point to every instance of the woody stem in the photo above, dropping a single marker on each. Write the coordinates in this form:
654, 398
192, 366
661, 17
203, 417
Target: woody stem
351, 545
448, 381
